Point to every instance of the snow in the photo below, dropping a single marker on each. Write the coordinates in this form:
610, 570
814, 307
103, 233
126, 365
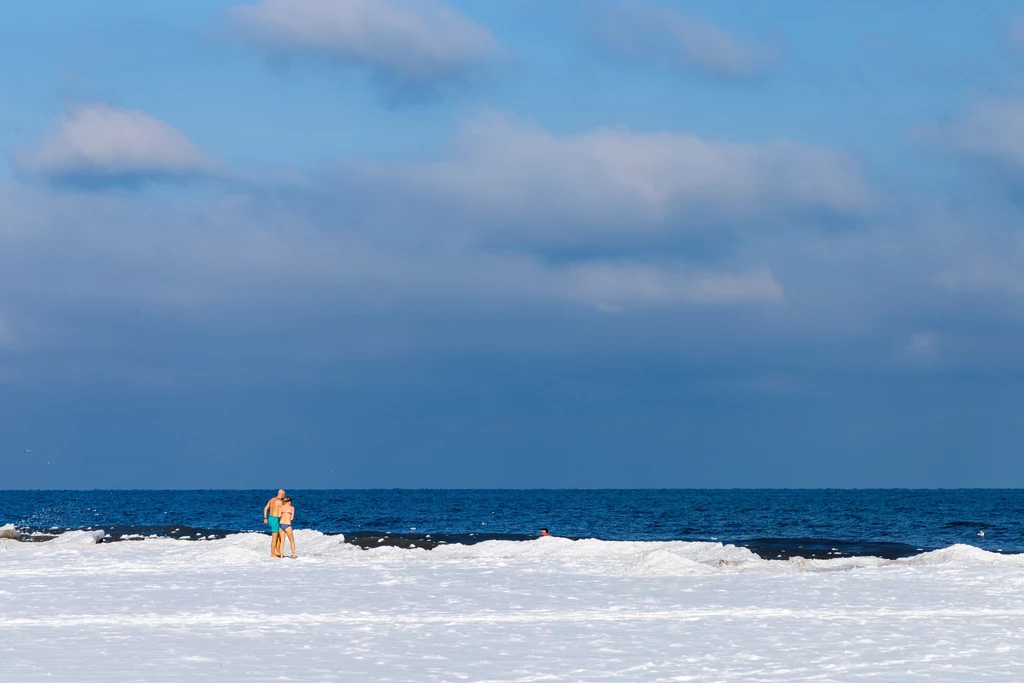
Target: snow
545, 610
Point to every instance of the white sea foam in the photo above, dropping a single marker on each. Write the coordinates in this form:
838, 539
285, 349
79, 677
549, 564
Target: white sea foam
550, 609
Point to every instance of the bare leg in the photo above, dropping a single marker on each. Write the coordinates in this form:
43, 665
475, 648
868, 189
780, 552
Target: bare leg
291, 540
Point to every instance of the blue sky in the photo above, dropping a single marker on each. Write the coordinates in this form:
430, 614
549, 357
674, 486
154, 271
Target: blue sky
417, 243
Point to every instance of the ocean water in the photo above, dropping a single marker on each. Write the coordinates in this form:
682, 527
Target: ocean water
774, 524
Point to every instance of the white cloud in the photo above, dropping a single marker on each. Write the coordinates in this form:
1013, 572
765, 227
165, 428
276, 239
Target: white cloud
409, 40
241, 250
1017, 32
611, 285
621, 179
645, 31
989, 275
108, 274
608, 286
993, 129
922, 348
98, 140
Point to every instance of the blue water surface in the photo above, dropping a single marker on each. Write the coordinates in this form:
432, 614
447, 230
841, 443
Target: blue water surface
884, 522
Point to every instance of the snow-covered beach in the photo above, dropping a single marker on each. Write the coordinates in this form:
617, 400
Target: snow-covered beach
551, 609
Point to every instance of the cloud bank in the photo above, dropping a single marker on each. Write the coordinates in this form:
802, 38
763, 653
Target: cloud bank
627, 180
393, 242
408, 41
99, 141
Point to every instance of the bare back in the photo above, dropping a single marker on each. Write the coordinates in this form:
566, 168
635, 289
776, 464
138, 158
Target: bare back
287, 514
274, 507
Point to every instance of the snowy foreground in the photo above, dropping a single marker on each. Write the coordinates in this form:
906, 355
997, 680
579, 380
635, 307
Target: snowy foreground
546, 610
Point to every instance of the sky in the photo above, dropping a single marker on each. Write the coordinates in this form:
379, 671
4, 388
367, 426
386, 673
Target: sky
528, 244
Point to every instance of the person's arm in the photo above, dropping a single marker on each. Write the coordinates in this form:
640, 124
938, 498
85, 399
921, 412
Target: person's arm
265, 508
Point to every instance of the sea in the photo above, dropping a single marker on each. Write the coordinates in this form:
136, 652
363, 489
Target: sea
773, 523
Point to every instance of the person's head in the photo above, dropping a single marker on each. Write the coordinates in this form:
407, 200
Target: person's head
280, 493
544, 532
286, 500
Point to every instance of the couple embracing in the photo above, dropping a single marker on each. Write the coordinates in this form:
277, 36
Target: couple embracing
279, 514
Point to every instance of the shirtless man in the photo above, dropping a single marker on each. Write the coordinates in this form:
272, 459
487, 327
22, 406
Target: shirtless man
272, 516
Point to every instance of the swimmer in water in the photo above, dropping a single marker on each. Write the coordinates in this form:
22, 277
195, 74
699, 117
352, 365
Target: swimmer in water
544, 532
287, 517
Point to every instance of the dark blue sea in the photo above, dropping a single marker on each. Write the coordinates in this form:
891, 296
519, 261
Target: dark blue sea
773, 523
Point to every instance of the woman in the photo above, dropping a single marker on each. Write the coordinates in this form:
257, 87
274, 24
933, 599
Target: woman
287, 516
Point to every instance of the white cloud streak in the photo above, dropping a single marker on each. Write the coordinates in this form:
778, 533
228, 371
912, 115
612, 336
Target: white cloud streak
992, 129
102, 141
989, 275
648, 32
631, 179
922, 348
618, 285
406, 40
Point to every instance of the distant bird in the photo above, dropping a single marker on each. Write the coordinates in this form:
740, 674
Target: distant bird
27, 450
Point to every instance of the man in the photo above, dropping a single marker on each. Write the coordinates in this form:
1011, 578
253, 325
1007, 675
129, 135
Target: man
272, 516
544, 532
